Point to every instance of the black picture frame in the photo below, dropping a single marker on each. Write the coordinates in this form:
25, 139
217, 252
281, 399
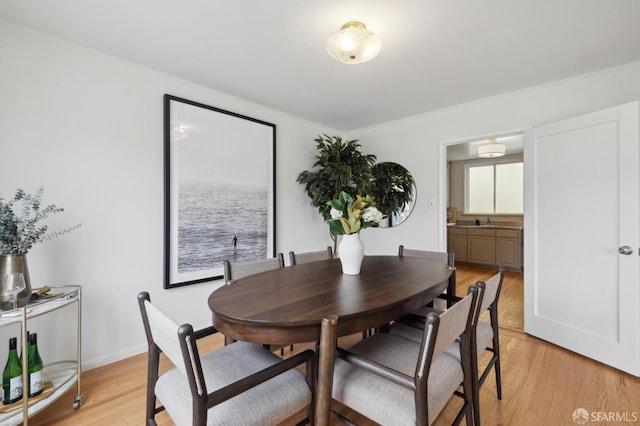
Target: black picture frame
219, 190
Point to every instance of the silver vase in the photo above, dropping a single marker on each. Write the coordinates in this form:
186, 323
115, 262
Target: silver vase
12, 263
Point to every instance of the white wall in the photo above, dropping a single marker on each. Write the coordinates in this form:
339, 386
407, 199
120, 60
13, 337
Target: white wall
89, 128
417, 142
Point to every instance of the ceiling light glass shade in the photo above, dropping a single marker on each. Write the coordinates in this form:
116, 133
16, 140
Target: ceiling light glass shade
353, 44
491, 149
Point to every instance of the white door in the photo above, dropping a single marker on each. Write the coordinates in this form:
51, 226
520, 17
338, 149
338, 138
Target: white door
582, 208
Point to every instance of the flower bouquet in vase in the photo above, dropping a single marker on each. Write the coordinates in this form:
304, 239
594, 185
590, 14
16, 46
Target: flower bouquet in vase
348, 217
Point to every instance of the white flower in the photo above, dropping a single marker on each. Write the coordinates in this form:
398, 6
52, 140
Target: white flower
372, 214
335, 213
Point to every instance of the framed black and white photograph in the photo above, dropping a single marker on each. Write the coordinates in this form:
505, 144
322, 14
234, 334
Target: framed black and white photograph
219, 190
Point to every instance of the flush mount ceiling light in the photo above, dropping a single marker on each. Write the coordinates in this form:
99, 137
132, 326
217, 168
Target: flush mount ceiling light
491, 149
353, 44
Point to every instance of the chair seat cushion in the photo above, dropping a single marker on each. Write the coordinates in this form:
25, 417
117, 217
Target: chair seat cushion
406, 332
268, 403
383, 401
484, 334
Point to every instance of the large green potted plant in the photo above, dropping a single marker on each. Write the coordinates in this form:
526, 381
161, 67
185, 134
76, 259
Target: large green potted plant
393, 188
20, 228
340, 167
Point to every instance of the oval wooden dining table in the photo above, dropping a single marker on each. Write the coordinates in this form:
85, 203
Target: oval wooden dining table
287, 305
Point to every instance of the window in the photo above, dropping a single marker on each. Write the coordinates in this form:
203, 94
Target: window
494, 189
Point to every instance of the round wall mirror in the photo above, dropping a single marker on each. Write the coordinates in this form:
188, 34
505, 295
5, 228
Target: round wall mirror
394, 191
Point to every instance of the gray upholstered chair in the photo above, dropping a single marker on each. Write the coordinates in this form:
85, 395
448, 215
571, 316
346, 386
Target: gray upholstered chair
241, 383
236, 270
485, 336
307, 257
487, 333
440, 257
393, 380
312, 256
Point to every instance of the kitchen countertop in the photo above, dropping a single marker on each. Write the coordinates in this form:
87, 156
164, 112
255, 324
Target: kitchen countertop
492, 226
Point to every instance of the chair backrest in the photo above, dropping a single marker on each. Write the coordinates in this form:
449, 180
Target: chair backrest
436, 256
455, 321
440, 331
175, 341
492, 290
161, 331
237, 270
440, 257
312, 256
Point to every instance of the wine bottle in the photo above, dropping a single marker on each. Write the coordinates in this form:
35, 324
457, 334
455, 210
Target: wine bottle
20, 357
12, 376
36, 384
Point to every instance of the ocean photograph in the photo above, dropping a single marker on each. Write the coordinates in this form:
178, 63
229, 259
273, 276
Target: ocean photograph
221, 191
219, 222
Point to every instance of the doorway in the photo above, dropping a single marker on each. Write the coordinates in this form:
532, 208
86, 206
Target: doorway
477, 255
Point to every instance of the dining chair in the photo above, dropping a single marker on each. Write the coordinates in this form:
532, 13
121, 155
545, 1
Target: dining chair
413, 330
482, 335
488, 332
393, 380
447, 257
241, 383
308, 257
312, 256
416, 318
235, 270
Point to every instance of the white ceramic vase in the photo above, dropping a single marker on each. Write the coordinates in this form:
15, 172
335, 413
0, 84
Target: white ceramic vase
351, 252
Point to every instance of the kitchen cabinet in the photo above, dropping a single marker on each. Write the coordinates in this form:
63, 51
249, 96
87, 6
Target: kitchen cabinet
486, 245
508, 248
58, 375
457, 241
481, 245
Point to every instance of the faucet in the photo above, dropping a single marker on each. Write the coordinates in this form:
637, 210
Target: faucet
487, 221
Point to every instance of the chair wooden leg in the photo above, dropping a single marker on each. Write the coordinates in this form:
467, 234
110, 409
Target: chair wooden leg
496, 351
326, 358
475, 389
152, 377
498, 376
467, 356
312, 381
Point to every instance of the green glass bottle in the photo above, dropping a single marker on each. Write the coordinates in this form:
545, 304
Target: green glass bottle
36, 384
12, 376
20, 357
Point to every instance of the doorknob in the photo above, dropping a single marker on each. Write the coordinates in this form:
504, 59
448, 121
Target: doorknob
625, 250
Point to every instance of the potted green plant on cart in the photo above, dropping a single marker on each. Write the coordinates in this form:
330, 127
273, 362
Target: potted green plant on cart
21, 227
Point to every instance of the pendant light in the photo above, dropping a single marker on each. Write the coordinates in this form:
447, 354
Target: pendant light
491, 149
353, 44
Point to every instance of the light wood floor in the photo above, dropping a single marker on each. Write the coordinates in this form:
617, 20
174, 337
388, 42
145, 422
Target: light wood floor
542, 383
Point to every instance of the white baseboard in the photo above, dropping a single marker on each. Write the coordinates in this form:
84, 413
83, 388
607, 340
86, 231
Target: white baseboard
111, 358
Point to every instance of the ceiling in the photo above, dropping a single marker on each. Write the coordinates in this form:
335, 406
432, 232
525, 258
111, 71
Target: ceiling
435, 53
